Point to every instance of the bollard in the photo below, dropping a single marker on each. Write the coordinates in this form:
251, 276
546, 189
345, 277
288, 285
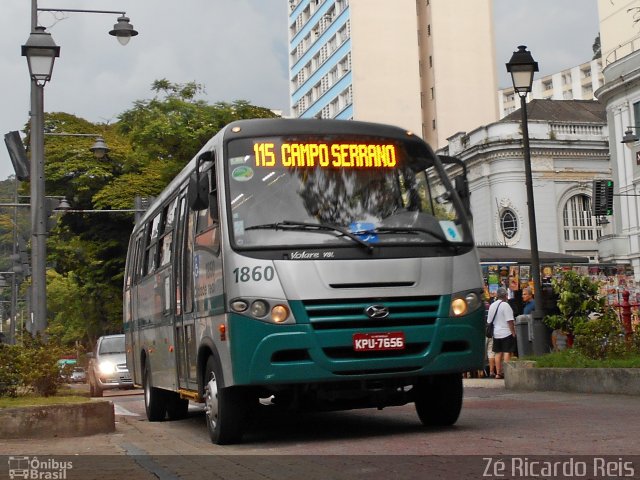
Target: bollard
625, 313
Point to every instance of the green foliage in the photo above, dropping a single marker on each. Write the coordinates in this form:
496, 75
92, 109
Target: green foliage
149, 145
30, 367
574, 358
584, 314
601, 337
9, 372
578, 296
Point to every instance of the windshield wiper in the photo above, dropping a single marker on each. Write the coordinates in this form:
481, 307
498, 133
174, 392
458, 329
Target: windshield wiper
310, 227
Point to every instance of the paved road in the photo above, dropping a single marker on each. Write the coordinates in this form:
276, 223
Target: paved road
494, 423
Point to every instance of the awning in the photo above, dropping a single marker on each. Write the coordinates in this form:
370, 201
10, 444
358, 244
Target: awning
522, 256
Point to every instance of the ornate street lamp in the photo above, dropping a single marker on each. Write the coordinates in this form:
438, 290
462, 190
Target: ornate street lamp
41, 52
522, 67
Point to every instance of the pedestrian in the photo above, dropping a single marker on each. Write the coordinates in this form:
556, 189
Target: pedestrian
504, 330
491, 357
528, 301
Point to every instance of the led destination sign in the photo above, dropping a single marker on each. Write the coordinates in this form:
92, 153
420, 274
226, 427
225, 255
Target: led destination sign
330, 155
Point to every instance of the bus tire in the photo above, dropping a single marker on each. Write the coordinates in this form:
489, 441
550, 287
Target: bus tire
438, 399
177, 408
224, 407
154, 402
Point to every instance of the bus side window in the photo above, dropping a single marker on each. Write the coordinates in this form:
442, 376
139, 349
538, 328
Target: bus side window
167, 233
207, 220
151, 257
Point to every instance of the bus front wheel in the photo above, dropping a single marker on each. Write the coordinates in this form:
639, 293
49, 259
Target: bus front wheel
438, 399
154, 404
224, 407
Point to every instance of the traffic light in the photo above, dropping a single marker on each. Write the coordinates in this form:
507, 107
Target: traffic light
602, 198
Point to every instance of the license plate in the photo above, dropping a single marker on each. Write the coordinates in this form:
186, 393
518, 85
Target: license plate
367, 342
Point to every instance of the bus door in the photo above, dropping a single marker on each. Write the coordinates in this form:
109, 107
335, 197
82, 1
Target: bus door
132, 315
186, 350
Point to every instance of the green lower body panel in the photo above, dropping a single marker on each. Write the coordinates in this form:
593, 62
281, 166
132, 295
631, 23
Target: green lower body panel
267, 354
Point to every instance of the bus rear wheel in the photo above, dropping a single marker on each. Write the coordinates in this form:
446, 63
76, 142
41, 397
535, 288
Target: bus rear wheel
438, 399
224, 407
154, 404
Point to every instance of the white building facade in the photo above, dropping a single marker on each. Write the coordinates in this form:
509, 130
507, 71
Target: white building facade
401, 62
569, 149
620, 94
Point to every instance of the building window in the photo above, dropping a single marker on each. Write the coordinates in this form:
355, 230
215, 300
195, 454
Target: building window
508, 223
636, 114
577, 220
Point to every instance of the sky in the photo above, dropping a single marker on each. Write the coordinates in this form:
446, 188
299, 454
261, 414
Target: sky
236, 49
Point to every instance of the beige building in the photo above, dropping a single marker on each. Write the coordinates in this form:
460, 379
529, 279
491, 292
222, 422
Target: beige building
403, 62
619, 29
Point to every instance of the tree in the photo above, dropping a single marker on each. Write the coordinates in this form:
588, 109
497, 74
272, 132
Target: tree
597, 51
149, 145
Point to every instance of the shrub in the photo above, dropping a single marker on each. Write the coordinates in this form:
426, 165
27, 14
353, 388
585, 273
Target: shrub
578, 297
9, 372
32, 366
601, 337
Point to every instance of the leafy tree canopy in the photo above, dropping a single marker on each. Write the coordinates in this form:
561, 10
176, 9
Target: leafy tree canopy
149, 145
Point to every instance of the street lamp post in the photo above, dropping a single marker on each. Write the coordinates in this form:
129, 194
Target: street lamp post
13, 302
41, 51
522, 67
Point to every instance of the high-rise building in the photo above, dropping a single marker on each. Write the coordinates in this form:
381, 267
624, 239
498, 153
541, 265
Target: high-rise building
576, 83
424, 65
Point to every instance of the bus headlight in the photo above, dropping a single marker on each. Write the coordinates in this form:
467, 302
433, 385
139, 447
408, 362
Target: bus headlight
262, 309
463, 303
259, 308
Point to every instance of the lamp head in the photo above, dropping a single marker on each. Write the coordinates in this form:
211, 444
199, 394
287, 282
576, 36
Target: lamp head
123, 30
629, 137
522, 66
41, 52
99, 148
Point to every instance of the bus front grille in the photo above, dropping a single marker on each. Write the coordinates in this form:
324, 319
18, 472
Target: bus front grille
352, 313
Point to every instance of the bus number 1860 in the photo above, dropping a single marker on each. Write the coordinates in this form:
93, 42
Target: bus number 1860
255, 274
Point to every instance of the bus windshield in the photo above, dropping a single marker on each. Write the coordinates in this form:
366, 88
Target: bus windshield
337, 190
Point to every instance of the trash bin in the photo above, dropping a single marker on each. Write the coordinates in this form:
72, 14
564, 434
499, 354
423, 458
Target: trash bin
524, 335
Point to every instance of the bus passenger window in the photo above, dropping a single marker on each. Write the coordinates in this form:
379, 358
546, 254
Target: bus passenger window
167, 230
152, 246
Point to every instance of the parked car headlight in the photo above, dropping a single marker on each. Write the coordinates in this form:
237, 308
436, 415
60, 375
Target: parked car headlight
107, 368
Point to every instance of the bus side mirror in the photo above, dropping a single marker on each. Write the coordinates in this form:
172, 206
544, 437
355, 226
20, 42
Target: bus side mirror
198, 190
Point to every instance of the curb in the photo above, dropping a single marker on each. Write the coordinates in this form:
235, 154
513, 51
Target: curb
523, 375
70, 420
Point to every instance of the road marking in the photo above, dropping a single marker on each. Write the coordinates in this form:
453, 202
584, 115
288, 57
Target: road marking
118, 410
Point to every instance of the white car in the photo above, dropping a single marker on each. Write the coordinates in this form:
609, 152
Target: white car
108, 366
78, 375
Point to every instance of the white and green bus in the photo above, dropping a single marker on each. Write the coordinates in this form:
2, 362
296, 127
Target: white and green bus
307, 265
